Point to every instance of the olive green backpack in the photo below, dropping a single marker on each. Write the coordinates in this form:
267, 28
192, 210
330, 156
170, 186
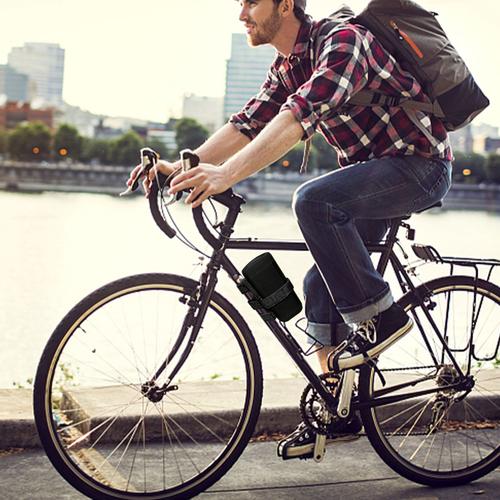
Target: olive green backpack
419, 44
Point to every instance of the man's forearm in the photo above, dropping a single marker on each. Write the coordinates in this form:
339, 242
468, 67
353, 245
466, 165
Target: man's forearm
226, 142
279, 136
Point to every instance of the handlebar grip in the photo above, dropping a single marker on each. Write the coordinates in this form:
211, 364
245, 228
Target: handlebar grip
149, 158
189, 159
159, 184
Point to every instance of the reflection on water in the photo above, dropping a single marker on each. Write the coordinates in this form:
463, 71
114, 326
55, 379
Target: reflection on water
56, 248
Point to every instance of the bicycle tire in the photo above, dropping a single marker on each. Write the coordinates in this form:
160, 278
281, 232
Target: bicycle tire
101, 302
380, 429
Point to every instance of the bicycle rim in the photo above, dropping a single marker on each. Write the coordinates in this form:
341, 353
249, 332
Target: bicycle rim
451, 436
98, 428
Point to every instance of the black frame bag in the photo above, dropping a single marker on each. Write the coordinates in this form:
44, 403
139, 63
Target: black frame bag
271, 288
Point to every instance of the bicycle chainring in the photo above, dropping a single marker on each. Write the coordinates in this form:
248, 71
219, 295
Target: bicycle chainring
313, 409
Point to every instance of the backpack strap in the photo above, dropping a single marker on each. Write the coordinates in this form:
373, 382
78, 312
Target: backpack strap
409, 106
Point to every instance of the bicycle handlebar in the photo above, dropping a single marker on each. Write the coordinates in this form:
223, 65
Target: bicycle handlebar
188, 160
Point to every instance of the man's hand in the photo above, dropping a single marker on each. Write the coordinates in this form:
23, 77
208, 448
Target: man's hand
161, 166
205, 179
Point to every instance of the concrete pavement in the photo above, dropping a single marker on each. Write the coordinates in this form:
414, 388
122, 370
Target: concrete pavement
349, 471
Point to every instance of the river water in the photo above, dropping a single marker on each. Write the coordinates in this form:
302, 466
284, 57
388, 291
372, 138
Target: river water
57, 247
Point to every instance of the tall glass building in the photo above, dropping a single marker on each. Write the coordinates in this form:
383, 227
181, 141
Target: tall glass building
246, 71
13, 85
44, 65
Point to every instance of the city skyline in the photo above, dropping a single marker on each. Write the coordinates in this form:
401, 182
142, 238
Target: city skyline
123, 60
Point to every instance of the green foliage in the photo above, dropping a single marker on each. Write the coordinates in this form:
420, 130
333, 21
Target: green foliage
30, 142
125, 150
159, 147
67, 140
3, 142
492, 167
96, 151
189, 134
469, 168
19, 385
326, 156
322, 157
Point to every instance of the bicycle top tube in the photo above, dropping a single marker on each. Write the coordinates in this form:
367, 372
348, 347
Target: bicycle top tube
233, 202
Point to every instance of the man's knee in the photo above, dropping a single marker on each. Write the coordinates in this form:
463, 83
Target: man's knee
309, 203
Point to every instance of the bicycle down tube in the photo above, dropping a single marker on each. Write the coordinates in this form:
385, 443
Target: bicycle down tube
219, 260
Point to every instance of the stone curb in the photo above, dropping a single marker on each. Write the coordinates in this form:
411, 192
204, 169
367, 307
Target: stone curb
279, 412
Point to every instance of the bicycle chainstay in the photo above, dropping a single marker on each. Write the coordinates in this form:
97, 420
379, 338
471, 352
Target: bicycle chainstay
318, 425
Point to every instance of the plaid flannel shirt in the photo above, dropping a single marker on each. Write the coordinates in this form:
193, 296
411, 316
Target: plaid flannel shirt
315, 84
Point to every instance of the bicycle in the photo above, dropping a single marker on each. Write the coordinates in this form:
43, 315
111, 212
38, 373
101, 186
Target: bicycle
151, 386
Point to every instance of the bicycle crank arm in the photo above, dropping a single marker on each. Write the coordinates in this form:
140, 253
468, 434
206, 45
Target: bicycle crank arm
319, 447
344, 405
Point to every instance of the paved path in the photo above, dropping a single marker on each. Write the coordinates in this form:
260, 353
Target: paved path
350, 470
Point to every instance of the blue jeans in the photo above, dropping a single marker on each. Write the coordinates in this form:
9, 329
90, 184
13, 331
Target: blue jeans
340, 211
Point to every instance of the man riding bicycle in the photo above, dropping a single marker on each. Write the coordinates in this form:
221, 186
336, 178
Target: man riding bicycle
390, 168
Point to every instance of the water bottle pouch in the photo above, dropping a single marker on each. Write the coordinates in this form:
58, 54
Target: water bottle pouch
270, 288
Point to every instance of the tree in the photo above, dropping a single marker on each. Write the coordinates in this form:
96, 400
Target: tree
96, 151
291, 161
30, 142
189, 134
67, 142
469, 168
3, 142
326, 156
126, 149
159, 147
492, 167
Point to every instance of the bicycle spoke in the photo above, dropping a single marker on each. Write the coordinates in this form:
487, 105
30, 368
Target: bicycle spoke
461, 428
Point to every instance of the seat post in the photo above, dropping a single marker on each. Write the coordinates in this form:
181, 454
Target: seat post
389, 244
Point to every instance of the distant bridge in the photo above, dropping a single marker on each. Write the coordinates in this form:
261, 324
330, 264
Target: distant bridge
62, 177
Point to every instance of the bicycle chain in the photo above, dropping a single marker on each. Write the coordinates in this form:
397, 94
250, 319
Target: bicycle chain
408, 368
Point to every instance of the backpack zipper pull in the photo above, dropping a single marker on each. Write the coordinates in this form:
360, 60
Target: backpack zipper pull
404, 36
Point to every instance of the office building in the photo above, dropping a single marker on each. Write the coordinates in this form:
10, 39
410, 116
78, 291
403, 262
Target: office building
246, 71
13, 85
208, 111
43, 63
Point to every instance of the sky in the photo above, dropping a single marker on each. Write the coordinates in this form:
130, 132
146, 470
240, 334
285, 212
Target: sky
138, 58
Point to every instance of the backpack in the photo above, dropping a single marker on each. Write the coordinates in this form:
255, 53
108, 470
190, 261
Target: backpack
417, 41
414, 37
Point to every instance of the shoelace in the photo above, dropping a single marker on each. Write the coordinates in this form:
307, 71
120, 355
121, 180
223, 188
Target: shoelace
367, 331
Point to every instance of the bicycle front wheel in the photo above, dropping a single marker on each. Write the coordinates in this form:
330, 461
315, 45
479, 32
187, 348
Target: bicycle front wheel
449, 436
99, 429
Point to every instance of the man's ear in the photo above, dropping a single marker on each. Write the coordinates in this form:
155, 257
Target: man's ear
286, 7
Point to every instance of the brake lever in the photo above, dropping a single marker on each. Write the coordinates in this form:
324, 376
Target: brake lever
188, 160
148, 161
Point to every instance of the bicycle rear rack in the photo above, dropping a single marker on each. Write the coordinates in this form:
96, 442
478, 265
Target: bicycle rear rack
430, 254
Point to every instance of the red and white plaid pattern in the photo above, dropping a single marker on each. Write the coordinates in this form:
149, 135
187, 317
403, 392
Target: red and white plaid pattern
317, 92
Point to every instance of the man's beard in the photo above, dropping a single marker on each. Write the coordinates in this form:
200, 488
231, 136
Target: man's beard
267, 30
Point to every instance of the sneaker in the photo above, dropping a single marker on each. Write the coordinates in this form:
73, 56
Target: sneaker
376, 335
300, 443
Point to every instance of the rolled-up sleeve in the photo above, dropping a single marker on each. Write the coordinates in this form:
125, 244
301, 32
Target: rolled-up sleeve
262, 108
340, 71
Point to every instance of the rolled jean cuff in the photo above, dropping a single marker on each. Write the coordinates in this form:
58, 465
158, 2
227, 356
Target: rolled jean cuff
369, 311
327, 334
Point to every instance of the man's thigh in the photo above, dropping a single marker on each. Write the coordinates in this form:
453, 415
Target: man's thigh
382, 188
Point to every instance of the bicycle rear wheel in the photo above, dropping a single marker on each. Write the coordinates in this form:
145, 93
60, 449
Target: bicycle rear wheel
448, 437
102, 433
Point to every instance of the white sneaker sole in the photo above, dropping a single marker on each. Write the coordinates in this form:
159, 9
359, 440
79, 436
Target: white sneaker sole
307, 449
359, 359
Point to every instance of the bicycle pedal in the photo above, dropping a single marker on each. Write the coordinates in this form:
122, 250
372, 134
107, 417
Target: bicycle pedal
319, 448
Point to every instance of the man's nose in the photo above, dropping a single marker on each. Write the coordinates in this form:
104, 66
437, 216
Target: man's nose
243, 13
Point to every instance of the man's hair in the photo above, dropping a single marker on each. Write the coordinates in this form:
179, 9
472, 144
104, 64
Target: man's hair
298, 9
